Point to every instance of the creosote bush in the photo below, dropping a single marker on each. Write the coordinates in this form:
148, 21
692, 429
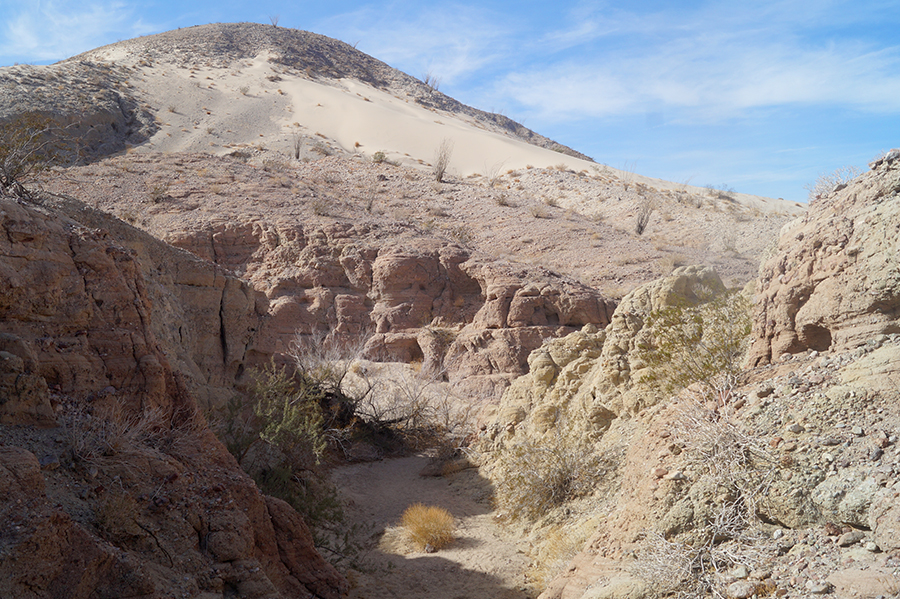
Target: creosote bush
428, 525
279, 433
700, 344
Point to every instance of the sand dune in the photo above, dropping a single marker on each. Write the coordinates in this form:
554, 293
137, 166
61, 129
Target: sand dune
260, 103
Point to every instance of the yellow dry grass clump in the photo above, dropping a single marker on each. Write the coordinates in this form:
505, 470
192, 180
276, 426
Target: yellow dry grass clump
428, 525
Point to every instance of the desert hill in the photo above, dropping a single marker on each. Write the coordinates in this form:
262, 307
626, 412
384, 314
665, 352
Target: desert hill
305, 138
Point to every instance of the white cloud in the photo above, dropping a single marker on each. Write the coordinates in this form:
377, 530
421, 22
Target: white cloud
709, 68
46, 30
451, 41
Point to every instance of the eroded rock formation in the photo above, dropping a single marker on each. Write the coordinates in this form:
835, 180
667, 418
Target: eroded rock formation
133, 496
833, 281
589, 376
422, 299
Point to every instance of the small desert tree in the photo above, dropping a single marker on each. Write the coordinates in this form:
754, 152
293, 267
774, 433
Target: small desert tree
29, 144
442, 159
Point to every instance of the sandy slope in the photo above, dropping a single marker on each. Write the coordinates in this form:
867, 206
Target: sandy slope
260, 103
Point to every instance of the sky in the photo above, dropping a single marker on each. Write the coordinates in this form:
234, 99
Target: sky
762, 97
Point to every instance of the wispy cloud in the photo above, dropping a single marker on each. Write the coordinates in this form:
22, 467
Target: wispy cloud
451, 41
47, 30
702, 67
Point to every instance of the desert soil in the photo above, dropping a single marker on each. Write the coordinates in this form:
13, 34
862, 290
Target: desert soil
483, 561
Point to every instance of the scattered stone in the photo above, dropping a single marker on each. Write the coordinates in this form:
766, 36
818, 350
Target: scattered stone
49, 462
429, 548
850, 538
659, 472
765, 390
819, 587
795, 428
741, 589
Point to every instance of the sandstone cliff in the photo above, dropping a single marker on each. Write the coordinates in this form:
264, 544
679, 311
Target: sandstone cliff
422, 299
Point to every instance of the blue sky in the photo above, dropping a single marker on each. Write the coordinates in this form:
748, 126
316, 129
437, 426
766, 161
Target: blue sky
760, 96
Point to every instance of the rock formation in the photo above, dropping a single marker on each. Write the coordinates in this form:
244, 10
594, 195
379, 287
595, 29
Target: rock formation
833, 282
422, 299
133, 496
590, 377
821, 418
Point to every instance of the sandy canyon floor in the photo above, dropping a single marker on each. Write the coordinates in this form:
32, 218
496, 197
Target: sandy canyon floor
484, 560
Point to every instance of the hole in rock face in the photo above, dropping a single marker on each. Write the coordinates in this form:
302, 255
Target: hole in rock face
815, 337
415, 353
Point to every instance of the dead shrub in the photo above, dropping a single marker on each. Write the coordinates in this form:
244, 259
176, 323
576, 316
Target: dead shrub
537, 477
538, 211
428, 526
30, 144
442, 159
826, 183
645, 210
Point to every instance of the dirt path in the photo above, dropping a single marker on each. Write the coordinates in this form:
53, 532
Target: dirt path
482, 562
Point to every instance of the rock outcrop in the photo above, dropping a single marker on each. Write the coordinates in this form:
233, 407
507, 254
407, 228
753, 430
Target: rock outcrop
590, 377
819, 412
833, 282
99, 305
422, 299
133, 496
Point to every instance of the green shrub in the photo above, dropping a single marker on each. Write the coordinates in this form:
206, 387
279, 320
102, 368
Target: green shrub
702, 344
278, 432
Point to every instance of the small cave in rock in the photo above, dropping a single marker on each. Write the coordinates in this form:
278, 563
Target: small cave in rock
815, 337
415, 353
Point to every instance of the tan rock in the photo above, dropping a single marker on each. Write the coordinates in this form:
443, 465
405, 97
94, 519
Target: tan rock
587, 377
865, 583
833, 281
